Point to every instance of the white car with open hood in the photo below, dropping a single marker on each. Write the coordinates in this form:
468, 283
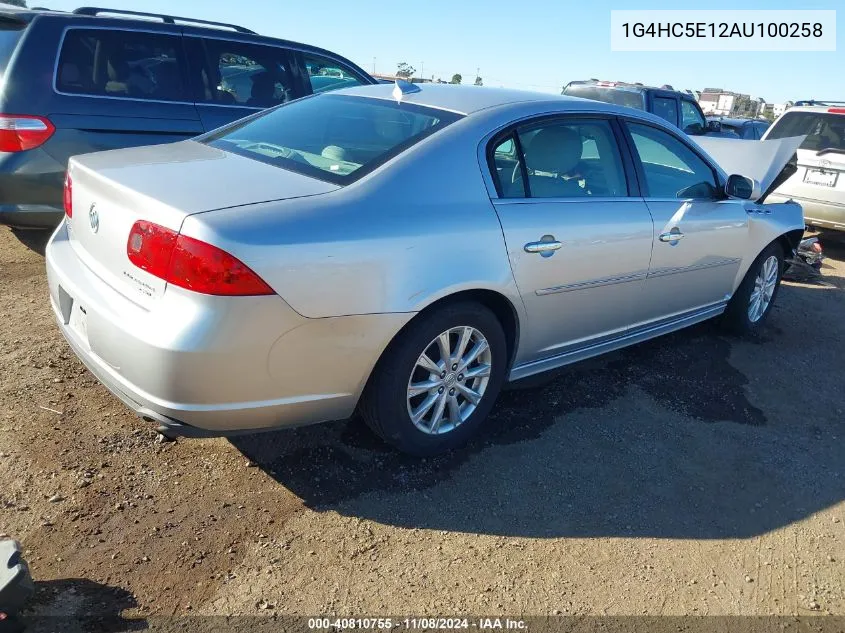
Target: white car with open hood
401, 251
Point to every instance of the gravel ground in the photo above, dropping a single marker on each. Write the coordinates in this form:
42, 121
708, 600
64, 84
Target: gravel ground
694, 474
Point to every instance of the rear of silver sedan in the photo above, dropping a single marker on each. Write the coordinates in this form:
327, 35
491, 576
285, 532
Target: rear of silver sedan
180, 330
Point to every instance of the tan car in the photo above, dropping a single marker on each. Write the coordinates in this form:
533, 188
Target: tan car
819, 184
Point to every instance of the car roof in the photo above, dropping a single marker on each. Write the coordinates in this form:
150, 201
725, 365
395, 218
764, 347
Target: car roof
469, 99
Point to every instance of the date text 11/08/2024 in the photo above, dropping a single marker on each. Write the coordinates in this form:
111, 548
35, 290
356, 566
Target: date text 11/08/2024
347, 624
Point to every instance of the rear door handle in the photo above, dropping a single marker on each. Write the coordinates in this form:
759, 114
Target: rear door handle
672, 236
542, 247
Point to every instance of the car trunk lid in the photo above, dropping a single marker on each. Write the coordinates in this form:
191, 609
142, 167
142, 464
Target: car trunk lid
162, 184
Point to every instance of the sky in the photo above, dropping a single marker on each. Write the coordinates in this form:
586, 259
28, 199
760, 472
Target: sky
531, 45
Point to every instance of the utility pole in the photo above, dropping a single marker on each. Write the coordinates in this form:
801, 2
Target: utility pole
422, 70
374, 65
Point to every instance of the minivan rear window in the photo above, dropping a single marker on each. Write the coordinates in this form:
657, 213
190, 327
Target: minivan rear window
337, 138
824, 130
616, 96
121, 64
10, 34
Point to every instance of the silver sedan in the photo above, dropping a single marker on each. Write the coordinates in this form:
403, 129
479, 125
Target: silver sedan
401, 251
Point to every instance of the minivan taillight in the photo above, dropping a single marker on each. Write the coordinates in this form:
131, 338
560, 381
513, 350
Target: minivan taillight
190, 263
20, 132
67, 196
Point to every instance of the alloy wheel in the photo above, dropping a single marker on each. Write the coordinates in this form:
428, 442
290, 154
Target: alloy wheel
449, 380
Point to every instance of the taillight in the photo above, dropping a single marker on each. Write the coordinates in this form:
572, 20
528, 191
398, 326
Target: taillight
836, 110
67, 197
190, 263
20, 132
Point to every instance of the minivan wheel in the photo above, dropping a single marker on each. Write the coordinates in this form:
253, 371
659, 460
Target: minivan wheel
438, 380
752, 302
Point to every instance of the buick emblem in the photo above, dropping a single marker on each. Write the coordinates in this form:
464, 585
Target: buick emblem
824, 164
94, 217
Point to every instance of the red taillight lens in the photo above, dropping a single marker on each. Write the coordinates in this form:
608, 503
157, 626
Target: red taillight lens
19, 132
836, 110
190, 263
67, 197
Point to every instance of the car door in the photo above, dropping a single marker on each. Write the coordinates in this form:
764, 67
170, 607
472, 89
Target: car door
232, 79
699, 234
120, 87
578, 239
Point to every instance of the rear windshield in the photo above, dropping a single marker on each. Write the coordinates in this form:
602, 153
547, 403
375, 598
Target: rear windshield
338, 138
627, 98
825, 131
10, 33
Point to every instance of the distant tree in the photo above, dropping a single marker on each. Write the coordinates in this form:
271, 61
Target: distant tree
17, 3
405, 71
478, 81
456, 78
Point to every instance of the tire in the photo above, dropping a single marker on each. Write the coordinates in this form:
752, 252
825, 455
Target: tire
386, 403
739, 318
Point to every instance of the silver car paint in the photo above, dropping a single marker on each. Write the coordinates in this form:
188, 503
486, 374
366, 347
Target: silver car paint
353, 265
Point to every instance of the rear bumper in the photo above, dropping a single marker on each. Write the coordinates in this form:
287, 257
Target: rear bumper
819, 213
198, 365
31, 185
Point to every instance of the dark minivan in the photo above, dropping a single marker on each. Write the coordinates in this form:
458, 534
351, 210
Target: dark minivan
100, 79
679, 108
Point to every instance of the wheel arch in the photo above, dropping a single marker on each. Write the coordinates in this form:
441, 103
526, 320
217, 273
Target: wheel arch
502, 307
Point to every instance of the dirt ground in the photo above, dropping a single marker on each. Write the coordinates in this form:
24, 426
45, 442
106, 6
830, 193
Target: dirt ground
694, 474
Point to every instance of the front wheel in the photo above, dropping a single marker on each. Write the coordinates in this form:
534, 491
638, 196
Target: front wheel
437, 382
749, 308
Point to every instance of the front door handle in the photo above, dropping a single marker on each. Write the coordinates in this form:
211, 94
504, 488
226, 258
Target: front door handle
672, 236
542, 247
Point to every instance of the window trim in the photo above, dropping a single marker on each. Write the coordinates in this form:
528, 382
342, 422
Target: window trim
183, 63
632, 184
625, 121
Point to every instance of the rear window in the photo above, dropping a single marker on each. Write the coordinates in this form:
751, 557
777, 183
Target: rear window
627, 98
10, 33
338, 138
127, 64
825, 131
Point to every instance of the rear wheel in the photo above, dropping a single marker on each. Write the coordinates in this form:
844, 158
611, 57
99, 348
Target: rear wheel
749, 308
436, 383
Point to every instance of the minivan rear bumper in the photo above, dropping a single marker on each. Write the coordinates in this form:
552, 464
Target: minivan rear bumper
31, 185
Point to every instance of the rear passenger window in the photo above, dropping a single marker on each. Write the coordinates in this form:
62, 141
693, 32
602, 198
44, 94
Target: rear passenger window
666, 109
128, 64
250, 75
572, 159
326, 74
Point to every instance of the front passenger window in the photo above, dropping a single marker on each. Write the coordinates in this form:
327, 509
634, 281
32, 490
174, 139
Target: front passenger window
672, 170
326, 74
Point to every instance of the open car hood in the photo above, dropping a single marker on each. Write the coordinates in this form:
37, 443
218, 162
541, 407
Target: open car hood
770, 163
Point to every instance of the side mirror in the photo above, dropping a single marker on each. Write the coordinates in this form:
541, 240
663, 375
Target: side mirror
741, 187
714, 126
